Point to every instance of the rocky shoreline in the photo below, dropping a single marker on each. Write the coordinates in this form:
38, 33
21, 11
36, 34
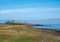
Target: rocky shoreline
49, 31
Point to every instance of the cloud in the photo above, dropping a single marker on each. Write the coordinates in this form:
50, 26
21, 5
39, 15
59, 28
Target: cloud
28, 10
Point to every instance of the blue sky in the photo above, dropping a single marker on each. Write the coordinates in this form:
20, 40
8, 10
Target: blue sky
29, 9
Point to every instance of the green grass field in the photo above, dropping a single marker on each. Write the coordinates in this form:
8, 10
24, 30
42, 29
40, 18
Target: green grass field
22, 33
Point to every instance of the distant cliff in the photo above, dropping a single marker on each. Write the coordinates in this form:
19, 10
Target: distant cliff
22, 23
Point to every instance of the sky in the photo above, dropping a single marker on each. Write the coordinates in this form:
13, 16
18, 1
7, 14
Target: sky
29, 9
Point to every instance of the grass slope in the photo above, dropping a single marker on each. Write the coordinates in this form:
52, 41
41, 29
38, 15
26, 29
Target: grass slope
22, 33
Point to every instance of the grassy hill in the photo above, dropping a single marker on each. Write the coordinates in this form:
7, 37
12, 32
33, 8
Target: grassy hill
23, 33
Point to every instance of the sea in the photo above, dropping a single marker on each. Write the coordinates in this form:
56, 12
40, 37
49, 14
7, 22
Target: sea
48, 26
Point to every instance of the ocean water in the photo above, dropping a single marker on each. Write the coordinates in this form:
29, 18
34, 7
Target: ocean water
49, 26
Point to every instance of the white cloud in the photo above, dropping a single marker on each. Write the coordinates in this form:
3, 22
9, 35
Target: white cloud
28, 10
